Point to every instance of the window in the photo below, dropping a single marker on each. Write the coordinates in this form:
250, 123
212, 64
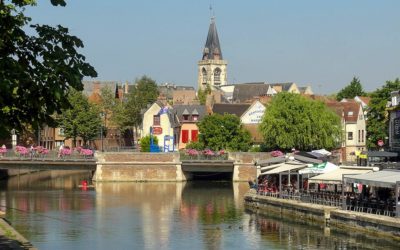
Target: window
186, 117
217, 76
204, 74
362, 135
350, 136
61, 132
350, 113
195, 135
195, 117
156, 120
185, 136
359, 135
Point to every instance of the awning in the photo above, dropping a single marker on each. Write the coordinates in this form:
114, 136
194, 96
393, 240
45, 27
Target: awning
286, 167
306, 159
380, 154
270, 167
322, 168
335, 177
322, 151
270, 161
385, 178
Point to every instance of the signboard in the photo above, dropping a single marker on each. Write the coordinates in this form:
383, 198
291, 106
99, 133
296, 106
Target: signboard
157, 130
396, 128
380, 143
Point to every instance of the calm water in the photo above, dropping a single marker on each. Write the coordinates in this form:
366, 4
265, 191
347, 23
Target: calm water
51, 211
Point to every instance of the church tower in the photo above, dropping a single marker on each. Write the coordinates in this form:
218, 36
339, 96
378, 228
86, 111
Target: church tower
212, 67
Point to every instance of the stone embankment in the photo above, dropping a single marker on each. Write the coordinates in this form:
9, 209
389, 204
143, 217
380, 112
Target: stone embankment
327, 216
10, 239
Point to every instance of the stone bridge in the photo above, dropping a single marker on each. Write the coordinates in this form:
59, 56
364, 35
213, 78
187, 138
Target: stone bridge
134, 166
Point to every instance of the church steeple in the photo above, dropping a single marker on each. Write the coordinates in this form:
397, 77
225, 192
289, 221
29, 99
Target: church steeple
212, 67
212, 49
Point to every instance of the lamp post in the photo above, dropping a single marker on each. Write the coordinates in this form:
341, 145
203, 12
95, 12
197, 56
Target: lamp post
101, 131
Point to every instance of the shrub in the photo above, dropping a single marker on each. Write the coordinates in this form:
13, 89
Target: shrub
145, 143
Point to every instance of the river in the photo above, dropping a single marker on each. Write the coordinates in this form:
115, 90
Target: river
50, 210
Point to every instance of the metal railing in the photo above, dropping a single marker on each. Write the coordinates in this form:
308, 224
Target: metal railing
202, 157
52, 155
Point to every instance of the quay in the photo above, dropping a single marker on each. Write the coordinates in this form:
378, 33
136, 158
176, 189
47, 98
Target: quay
10, 239
327, 216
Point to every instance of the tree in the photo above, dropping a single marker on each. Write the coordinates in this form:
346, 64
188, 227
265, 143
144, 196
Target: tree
36, 71
352, 90
218, 132
378, 122
81, 120
202, 94
145, 92
293, 121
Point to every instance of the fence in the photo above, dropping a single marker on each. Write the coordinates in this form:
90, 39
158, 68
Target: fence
51, 155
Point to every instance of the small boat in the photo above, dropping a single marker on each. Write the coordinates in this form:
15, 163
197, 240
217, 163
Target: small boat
86, 186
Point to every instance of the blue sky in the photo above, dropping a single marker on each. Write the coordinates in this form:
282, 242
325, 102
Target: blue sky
311, 42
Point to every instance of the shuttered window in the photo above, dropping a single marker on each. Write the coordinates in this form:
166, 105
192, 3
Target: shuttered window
185, 136
194, 135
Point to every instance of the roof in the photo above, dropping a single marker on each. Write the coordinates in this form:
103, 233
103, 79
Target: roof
285, 85
248, 91
325, 167
307, 159
350, 109
168, 89
285, 167
90, 87
385, 178
335, 176
234, 109
212, 49
180, 110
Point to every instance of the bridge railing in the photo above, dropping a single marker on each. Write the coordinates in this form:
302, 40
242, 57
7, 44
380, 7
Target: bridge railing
202, 157
52, 155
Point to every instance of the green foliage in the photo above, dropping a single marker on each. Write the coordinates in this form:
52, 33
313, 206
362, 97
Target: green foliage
292, 121
255, 148
82, 119
218, 132
352, 90
378, 122
202, 94
195, 145
39, 65
108, 101
144, 93
145, 143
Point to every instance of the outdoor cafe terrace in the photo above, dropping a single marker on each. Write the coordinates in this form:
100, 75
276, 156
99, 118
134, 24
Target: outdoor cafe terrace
361, 189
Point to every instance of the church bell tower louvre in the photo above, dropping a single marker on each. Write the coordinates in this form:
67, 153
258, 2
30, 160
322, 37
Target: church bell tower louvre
212, 68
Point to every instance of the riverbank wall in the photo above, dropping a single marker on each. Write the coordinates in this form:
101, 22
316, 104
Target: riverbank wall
135, 166
326, 216
10, 238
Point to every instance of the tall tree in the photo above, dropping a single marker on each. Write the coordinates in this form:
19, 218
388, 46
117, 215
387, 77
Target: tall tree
202, 94
223, 132
145, 92
378, 122
81, 120
352, 90
39, 64
293, 121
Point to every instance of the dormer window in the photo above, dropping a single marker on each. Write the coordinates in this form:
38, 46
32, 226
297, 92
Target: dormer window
350, 113
186, 117
156, 120
195, 118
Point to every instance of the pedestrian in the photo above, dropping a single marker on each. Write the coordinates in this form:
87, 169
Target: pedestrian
32, 151
60, 150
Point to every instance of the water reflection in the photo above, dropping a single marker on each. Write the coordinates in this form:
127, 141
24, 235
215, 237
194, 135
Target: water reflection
51, 211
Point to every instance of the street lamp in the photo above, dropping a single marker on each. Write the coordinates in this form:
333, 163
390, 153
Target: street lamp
101, 131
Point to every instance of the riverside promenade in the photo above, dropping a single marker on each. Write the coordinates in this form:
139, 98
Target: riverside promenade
327, 216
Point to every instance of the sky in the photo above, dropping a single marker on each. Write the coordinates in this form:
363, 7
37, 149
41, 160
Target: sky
323, 44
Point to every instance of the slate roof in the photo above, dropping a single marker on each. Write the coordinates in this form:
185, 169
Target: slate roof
234, 109
90, 86
212, 49
247, 91
180, 110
